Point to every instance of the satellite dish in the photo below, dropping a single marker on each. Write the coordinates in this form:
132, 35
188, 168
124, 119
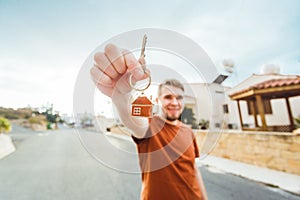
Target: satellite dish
228, 65
270, 69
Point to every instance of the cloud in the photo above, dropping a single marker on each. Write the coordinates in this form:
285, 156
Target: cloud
43, 44
250, 33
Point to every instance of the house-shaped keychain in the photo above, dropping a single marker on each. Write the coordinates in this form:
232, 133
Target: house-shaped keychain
142, 107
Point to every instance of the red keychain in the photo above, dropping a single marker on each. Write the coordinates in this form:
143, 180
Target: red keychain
142, 106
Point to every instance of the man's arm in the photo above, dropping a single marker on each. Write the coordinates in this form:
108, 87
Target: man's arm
201, 183
138, 125
110, 74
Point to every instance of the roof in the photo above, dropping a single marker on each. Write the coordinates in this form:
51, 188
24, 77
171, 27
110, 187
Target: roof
142, 100
282, 83
277, 83
256, 79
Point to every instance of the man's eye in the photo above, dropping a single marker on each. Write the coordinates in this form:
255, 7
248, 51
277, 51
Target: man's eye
179, 97
168, 97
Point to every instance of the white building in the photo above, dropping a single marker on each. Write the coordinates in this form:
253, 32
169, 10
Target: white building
212, 102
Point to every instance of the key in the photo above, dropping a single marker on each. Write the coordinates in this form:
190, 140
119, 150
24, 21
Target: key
143, 63
142, 56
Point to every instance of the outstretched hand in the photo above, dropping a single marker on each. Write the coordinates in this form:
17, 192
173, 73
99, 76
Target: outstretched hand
112, 69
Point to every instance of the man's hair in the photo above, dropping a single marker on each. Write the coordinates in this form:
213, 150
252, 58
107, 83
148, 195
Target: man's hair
170, 82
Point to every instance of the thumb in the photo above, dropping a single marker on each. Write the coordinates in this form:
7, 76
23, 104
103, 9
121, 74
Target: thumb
136, 76
142, 62
137, 73
134, 66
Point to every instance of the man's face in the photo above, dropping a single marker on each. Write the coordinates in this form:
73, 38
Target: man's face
172, 103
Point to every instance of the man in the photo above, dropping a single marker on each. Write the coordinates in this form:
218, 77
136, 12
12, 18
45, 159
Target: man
167, 148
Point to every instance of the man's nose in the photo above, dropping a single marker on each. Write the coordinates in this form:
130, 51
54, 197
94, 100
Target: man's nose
174, 101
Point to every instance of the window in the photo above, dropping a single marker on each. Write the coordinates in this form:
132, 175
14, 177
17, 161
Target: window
266, 105
225, 108
136, 111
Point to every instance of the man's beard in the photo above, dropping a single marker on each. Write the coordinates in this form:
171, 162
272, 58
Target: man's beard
171, 119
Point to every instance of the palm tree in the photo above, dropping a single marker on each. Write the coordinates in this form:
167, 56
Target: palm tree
4, 125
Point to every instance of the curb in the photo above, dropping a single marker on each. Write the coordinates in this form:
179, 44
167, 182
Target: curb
6, 146
285, 181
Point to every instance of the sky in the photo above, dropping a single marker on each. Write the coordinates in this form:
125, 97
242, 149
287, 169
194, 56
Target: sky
43, 44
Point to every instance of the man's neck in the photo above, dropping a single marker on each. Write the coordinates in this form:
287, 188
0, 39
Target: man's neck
173, 122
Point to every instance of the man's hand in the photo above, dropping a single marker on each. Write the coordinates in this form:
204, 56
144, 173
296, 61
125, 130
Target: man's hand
112, 69
111, 73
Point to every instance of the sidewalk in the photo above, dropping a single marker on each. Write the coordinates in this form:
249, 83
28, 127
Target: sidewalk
6, 145
285, 181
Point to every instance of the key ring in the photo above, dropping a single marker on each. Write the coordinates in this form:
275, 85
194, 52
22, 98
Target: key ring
138, 89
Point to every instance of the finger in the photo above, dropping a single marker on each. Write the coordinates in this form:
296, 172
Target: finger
133, 65
145, 76
123, 84
105, 65
100, 77
113, 53
106, 90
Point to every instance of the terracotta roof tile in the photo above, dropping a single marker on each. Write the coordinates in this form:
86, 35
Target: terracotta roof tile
271, 84
277, 83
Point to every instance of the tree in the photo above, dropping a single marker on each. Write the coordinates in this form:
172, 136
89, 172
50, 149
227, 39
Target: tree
4, 125
188, 117
51, 116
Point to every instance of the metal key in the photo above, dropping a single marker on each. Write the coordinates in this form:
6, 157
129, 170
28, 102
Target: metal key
142, 56
143, 63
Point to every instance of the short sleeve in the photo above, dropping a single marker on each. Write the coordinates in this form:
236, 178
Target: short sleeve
137, 140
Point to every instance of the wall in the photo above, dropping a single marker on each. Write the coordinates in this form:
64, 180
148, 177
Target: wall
201, 92
278, 151
209, 103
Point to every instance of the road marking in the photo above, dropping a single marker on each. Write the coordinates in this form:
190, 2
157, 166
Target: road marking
43, 134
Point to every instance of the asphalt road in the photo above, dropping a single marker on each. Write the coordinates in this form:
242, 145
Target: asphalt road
62, 165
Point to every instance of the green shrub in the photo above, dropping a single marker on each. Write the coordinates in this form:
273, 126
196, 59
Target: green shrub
4, 125
49, 126
39, 119
204, 124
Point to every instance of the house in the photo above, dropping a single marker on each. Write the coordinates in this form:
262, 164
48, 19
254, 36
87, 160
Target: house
141, 107
259, 98
277, 116
213, 102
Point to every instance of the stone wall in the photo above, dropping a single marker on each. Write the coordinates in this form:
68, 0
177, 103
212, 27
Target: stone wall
278, 151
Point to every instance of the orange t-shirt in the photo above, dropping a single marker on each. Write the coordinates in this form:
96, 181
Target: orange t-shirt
167, 160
